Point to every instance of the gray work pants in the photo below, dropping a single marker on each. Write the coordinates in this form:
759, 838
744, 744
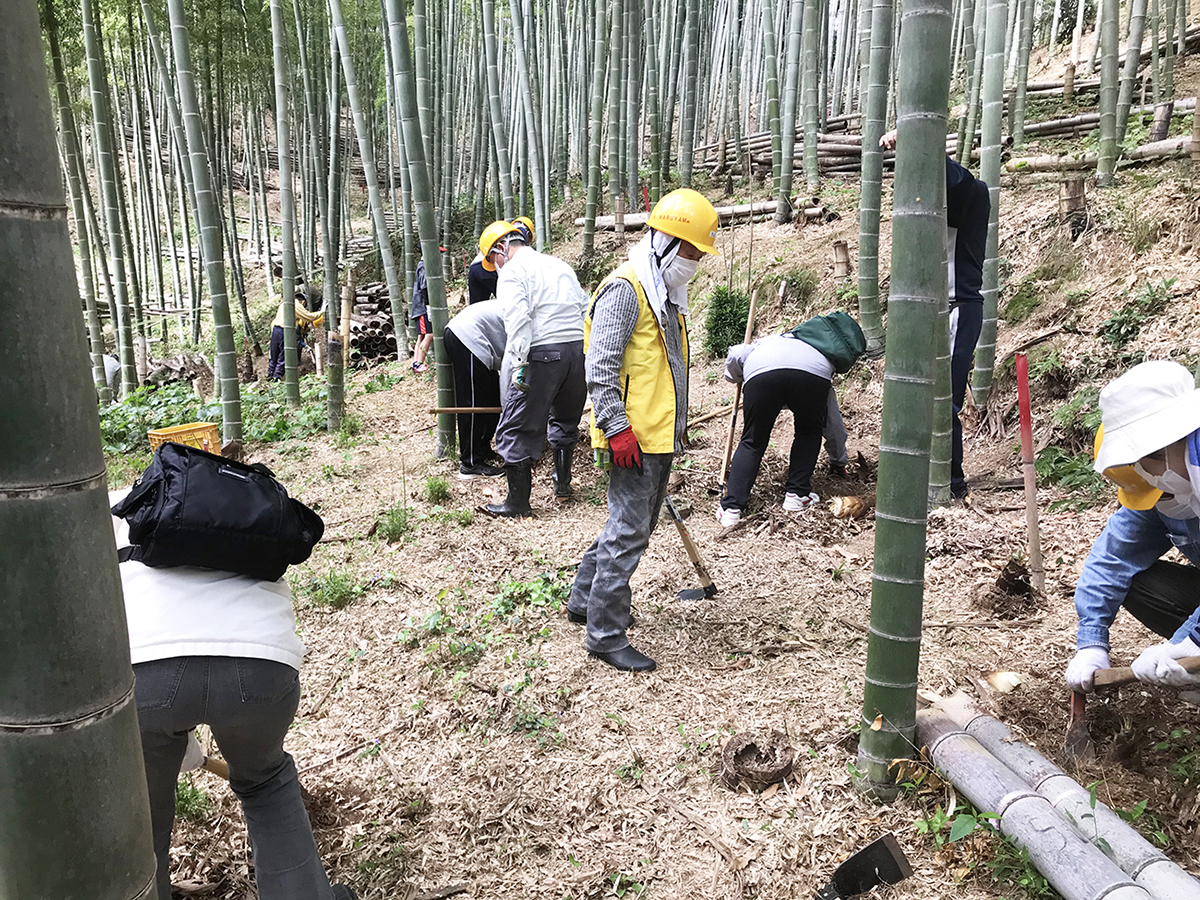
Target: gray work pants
601, 589
249, 704
552, 407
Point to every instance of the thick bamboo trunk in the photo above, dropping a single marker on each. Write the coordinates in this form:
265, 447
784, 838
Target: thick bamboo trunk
872, 177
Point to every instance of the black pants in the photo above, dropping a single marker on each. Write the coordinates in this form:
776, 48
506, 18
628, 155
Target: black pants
966, 320
1163, 596
474, 385
765, 396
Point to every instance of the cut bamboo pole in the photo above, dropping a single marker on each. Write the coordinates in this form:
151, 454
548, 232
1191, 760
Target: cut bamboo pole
1149, 867
1074, 868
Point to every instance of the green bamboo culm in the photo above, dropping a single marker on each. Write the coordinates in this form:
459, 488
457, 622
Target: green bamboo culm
1109, 25
791, 91
774, 123
287, 205
812, 80
211, 235
872, 177
595, 127
423, 203
1022, 76
109, 199
690, 107
499, 134
940, 447
918, 279
989, 171
74, 812
396, 296
1129, 73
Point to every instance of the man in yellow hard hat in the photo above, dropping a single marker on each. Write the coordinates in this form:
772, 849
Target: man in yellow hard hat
637, 358
1149, 444
524, 224
541, 375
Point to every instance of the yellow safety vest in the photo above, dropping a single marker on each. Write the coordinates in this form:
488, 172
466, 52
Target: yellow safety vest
647, 387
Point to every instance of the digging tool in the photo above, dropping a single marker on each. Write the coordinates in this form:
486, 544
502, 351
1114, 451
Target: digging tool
1078, 744
880, 862
708, 589
737, 391
216, 766
1123, 675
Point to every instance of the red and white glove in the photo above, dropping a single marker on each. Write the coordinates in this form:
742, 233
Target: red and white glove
626, 451
1157, 664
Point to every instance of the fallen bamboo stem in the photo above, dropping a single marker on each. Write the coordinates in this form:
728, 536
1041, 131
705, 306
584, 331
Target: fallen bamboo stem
711, 414
481, 410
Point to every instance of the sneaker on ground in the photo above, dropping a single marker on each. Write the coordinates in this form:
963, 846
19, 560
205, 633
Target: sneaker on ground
482, 470
960, 491
420, 368
728, 517
838, 470
795, 503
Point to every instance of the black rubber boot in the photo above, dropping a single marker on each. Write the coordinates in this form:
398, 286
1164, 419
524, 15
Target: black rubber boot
520, 480
562, 471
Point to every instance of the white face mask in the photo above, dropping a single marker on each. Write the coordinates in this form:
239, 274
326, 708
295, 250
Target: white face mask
1169, 482
1175, 508
680, 272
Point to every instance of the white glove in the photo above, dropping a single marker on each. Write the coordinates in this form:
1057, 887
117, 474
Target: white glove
1083, 667
193, 756
1157, 664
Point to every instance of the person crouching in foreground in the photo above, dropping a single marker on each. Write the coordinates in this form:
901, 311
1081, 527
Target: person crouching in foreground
637, 358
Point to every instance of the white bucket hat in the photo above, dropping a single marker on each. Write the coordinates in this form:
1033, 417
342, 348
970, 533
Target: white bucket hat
1151, 406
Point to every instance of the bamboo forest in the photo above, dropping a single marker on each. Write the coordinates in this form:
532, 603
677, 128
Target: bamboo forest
586, 449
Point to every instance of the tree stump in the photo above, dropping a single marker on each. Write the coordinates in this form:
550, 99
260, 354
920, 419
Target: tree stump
756, 762
841, 259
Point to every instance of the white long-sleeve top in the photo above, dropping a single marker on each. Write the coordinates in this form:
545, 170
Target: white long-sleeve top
542, 303
777, 351
190, 611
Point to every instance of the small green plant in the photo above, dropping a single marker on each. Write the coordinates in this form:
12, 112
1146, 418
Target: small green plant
436, 489
1124, 325
1150, 825
1184, 765
546, 592
594, 267
1011, 865
847, 294
620, 885
1070, 473
125, 468
335, 590
381, 381
1076, 420
725, 324
191, 802
801, 286
462, 517
395, 523
347, 435
632, 771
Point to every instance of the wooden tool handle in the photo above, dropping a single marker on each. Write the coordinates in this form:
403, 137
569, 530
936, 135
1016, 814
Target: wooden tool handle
216, 766
690, 545
1124, 675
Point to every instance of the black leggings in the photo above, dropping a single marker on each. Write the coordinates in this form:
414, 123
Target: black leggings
766, 395
1163, 596
474, 385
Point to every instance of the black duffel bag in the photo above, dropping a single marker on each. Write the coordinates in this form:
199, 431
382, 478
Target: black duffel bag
192, 508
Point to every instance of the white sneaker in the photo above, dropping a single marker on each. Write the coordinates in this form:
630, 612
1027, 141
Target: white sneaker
728, 517
795, 503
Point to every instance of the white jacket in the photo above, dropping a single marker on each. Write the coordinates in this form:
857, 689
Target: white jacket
542, 303
189, 611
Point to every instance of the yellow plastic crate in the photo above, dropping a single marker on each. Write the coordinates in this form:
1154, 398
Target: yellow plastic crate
202, 435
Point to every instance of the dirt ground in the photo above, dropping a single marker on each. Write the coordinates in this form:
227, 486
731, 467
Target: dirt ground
442, 743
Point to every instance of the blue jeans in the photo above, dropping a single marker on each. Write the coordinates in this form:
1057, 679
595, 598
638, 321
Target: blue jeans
601, 589
249, 704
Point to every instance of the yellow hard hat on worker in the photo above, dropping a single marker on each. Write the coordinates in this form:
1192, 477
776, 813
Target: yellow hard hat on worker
526, 224
1132, 490
491, 235
687, 215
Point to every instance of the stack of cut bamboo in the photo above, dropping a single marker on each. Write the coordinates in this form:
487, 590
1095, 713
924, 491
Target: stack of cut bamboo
372, 332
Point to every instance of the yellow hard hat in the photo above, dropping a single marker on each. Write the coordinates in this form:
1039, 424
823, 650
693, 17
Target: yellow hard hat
1132, 489
685, 214
487, 240
526, 223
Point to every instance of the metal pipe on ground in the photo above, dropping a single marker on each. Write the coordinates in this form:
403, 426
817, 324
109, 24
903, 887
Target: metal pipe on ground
1136, 856
1074, 868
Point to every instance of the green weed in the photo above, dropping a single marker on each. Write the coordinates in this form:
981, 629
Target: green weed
125, 468
436, 489
591, 269
1076, 420
1023, 302
1073, 474
395, 523
381, 381
1184, 749
191, 802
347, 435
335, 590
461, 517
1150, 825
1124, 324
801, 287
546, 592
725, 323
618, 884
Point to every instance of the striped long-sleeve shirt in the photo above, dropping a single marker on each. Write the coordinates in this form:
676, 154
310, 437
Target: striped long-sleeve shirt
614, 315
